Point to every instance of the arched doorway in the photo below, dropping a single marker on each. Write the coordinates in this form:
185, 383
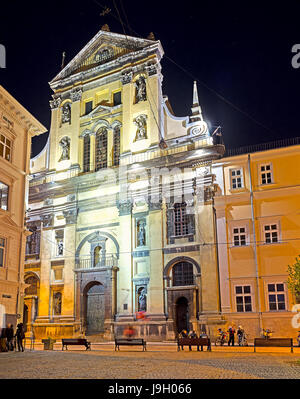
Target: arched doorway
94, 308
182, 314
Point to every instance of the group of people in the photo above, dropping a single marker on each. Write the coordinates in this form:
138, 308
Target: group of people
192, 334
231, 335
11, 339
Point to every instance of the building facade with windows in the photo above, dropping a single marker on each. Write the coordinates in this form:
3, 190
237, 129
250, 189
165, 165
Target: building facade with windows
116, 229
258, 235
17, 127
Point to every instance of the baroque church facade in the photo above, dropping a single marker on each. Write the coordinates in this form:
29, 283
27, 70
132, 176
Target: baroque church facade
121, 202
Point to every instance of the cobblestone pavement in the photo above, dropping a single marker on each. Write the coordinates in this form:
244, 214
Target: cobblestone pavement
159, 362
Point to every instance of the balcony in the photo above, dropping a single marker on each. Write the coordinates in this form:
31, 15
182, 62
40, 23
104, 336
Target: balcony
89, 263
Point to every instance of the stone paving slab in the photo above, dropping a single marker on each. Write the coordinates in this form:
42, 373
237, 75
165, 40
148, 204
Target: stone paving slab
161, 363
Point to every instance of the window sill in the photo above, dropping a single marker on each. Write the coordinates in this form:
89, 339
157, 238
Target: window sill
239, 246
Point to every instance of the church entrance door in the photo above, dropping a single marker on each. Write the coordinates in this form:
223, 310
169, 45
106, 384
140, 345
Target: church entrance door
182, 316
94, 299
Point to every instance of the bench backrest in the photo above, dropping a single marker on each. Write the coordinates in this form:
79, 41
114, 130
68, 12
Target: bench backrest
193, 341
280, 342
127, 341
79, 341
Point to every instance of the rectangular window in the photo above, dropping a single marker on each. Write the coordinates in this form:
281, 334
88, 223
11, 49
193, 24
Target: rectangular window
5, 147
86, 153
88, 107
266, 174
236, 178
117, 98
276, 295
243, 298
271, 233
239, 236
180, 219
2, 251
3, 196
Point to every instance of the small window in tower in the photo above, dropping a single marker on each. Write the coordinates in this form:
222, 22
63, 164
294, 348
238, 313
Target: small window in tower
88, 107
117, 98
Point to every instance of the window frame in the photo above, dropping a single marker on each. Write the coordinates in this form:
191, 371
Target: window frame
184, 228
278, 230
243, 295
265, 172
5, 146
235, 178
284, 292
188, 274
3, 249
99, 162
8, 197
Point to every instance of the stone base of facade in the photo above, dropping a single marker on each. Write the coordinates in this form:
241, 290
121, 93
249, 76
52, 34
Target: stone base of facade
56, 330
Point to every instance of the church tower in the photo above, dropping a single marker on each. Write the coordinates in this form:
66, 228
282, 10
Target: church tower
121, 201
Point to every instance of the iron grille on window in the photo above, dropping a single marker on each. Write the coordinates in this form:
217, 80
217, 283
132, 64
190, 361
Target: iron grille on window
116, 150
101, 149
183, 274
86, 153
180, 219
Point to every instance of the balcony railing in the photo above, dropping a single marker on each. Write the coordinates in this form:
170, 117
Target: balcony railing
87, 262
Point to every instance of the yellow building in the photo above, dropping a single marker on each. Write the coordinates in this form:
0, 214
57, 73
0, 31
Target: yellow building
17, 127
121, 198
258, 235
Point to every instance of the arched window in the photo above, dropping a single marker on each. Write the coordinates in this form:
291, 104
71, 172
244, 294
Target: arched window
101, 149
116, 148
86, 153
33, 288
183, 274
180, 220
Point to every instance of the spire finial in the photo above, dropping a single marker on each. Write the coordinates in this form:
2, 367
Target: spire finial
196, 109
105, 27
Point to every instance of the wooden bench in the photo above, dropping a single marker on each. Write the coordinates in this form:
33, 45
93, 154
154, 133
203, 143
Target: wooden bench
75, 341
273, 342
181, 342
129, 341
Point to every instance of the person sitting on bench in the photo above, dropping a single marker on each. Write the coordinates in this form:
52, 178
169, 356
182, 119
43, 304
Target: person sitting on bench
193, 334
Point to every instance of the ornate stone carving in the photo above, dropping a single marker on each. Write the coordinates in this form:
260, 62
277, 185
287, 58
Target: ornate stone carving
70, 216
65, 145
142, 299
48, 201
126, 76
151, 69
76, 94
141, 122
66, 113
60, 248
55, 103
140, 85
47, 220
125, 207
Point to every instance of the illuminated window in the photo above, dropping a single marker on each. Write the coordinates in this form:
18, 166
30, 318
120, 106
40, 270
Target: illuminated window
271, 233
183, 274
239, 236
276, 296
180, 219
243, 298
101, 149
266, 175
3, 196
116, 146
236, 177
5, 148
2, 252
86, 153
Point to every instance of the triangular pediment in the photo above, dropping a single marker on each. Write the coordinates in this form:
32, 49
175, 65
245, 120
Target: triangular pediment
103, 48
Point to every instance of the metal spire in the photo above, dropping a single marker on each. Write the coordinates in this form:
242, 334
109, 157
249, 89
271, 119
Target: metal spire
196, 109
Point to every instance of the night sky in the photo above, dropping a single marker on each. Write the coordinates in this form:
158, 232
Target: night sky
240, 53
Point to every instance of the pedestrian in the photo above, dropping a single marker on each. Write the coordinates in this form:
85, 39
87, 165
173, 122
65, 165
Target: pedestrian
240, 334
231, 332
10, 337
20, 336
3, 345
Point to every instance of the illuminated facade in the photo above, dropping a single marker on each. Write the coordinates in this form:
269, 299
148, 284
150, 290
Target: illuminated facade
258, 226
107, 239
17, 126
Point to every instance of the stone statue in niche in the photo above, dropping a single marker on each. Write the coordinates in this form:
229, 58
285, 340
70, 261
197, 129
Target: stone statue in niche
140, 121
66, 113
57, 303
140, 85
142, 300
65, 145
60, 247
141, 241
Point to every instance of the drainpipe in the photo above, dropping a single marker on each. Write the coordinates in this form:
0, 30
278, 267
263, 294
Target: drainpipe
255, 246
217, 255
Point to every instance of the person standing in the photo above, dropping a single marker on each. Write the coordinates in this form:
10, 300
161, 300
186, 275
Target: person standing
20, 336
231, 332
240, 334
10, 337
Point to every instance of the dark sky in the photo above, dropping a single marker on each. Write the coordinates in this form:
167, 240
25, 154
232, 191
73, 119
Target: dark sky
241, 50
